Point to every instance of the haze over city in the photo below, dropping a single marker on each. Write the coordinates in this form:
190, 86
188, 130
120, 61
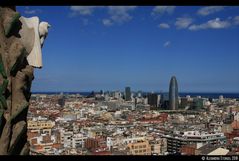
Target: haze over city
94, 48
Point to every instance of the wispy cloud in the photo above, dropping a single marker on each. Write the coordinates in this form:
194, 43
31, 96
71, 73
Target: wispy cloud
167, 44
32, 11
118, 15
163, 9
82, 10
204, 11
164, 26
211, 24
107, 22
85, 21
183, 22
236, 20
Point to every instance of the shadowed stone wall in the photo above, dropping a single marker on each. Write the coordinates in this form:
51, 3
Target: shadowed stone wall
16, 76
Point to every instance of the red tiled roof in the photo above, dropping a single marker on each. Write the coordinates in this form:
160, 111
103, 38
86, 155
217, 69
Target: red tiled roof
235, 124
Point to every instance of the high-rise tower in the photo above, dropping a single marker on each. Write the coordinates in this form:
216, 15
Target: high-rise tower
173, 94
127, 94
152, 99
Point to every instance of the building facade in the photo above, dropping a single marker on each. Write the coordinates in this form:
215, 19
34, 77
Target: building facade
139, 148
127, 94
153, 99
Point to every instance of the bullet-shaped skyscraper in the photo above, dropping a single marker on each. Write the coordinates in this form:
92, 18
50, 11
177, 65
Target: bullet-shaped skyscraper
173, 94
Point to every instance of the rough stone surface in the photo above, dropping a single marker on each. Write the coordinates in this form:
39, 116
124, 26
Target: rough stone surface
16, 76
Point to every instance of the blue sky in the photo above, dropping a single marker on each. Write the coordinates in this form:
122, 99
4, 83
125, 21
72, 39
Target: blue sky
92, 48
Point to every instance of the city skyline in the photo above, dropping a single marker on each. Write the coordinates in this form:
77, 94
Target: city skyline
114, 78
140, 47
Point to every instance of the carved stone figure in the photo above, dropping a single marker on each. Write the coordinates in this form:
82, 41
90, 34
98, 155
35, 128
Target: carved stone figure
33, 35
21, 40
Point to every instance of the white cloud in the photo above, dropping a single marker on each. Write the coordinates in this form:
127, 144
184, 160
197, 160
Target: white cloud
183, 22
118, 15
236, 20
167, 43
164, 26
82, 10
204, 11
107, 22
211, 24
31, 12
163, 9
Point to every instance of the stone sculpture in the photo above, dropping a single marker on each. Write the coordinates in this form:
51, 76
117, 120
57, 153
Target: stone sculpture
33, 35
21, 40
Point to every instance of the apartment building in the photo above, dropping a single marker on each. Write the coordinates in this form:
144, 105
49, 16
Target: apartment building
139, 148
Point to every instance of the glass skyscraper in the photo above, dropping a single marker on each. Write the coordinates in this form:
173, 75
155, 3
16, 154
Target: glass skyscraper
173, 94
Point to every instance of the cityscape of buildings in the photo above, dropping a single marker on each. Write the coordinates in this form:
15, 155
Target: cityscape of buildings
133, 123
136, 61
